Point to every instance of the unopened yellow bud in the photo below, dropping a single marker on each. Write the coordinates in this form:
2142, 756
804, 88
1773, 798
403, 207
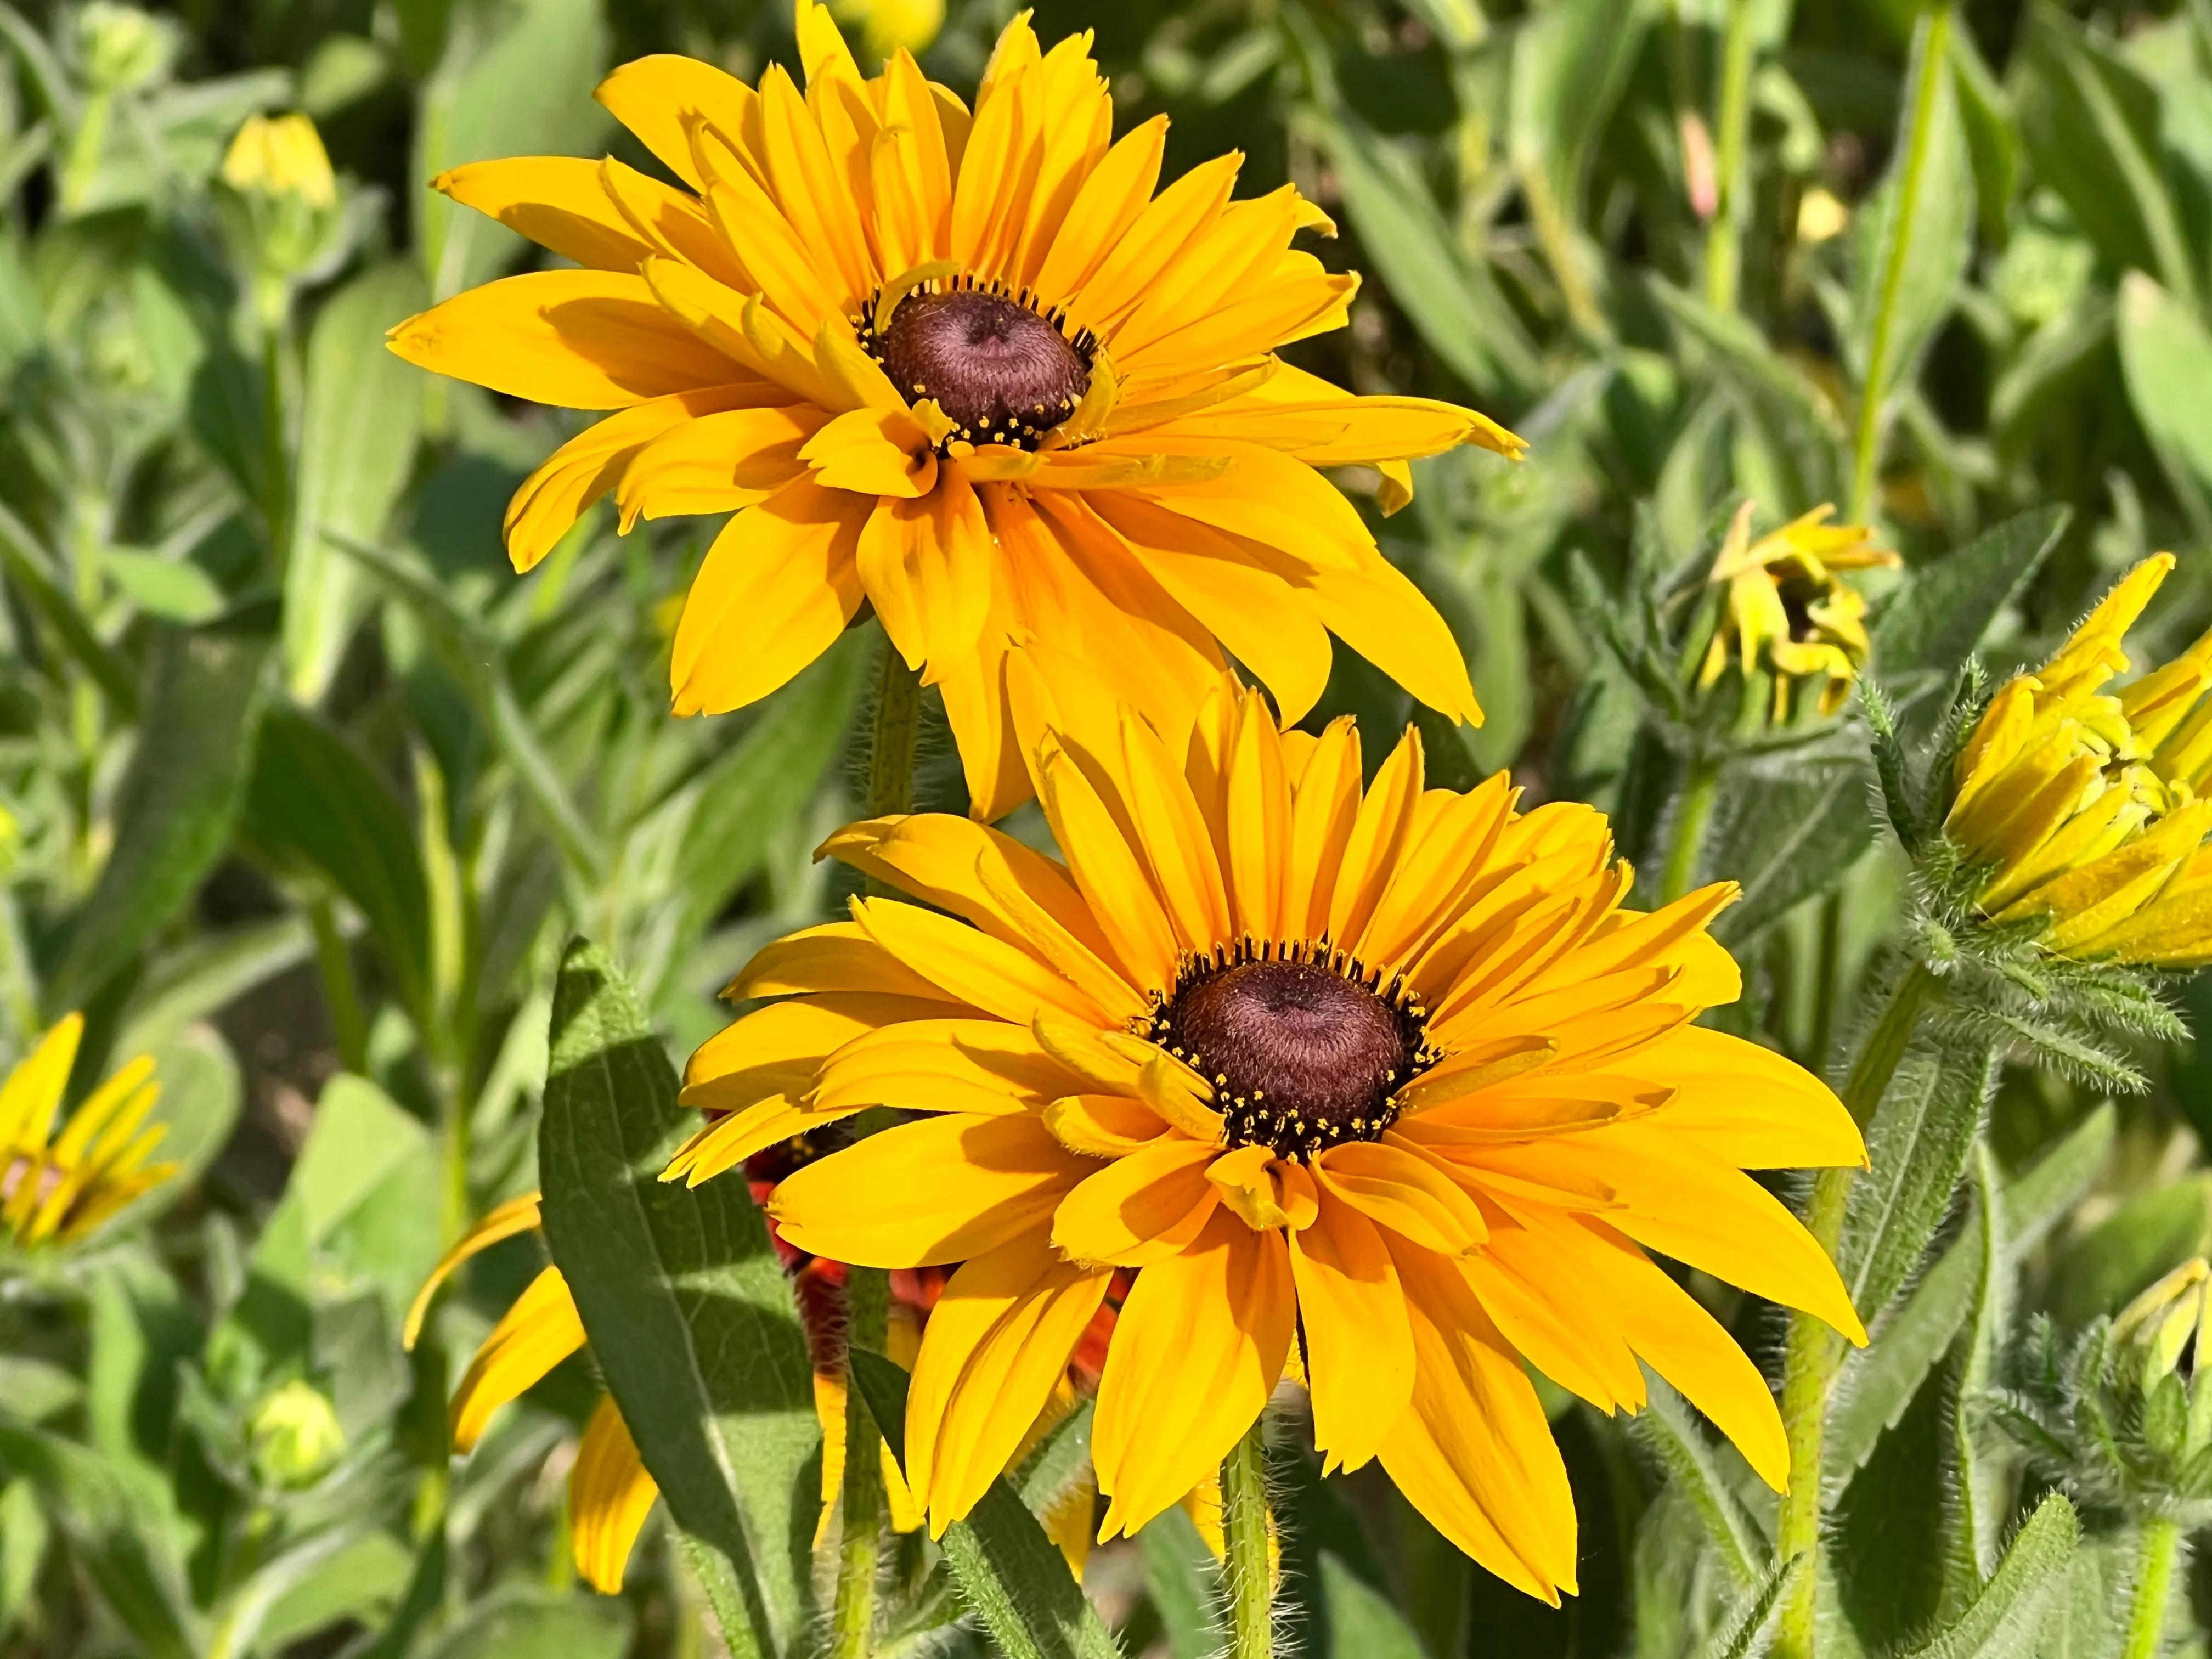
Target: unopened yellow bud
2161, 1321
281, 155
295, 1435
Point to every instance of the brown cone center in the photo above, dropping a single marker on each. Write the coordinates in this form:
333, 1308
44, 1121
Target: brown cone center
1001, 373
1300, 1057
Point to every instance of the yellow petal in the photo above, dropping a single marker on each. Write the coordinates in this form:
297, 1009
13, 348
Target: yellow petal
609, 1495
1140, 1209
537, 1333
1358, 1342
1400, 1188
502, 1221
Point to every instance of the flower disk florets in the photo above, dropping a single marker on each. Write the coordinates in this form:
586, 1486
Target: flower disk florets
1002, 371
1304, 1048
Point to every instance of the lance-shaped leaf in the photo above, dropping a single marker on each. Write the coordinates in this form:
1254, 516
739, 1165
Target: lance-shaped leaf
691, 1320
1929, 625
1010, 1572
2003, 1621
1879, 1382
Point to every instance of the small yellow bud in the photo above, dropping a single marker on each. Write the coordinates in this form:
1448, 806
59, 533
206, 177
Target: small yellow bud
888, 24
2161, 1323
281, 155
295, 1435
1820, 216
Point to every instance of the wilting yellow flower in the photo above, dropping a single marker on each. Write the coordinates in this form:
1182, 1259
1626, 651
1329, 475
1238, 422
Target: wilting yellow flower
2084, 805
1787, 611
969, 368
1391, 1075
889, 26
281, 155
55, 1190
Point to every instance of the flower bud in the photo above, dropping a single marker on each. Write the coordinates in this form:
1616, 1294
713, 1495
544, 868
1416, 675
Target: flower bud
2157, 1328
123, 48
280, 156
295, 1435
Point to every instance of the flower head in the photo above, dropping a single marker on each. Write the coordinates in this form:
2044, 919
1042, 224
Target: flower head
295, 1435
974, 369
57, 1188
2082, 805
1386, 1081
1786, 609
280, 156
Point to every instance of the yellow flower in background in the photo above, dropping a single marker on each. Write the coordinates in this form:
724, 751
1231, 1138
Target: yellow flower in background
1788, 611
1385, 1083
57, 1188
2084, 804
974, 368
890, 26
281, 155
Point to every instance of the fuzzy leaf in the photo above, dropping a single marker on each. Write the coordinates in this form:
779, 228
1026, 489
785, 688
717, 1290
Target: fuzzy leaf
1917, 1149
1932, 623
1752, 1631
2003, 1620
691, 1320
1668, 1429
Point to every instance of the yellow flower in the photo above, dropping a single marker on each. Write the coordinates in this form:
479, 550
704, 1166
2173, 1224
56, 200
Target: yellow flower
2161, 1323
1388, 1083
889, 26
57, 1189
969, 368
2084, 805
282, 155
1786, 609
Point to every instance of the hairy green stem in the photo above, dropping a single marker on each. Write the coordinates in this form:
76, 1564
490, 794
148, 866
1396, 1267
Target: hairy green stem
1934, 58
1724, 241
1249, 1573
860, 1537
2161, 1549
1693, 809
1813, 1352
892, 735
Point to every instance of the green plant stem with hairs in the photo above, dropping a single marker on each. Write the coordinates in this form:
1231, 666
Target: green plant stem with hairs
1250, 1574
1813, 1352
2161, 1553
892, 731
1693, 809
1724, 241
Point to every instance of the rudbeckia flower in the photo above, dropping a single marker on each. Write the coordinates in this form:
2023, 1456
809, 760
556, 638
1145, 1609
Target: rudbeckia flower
974, 368
57, 1188
1786, 611
1386, 1082
2083, 804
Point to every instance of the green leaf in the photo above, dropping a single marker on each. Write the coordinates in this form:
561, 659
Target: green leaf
512, 81
2166, 355
1879, 1382
691, 1320
24, 1535
1361, 1622
315, 797
2151, 1231
1917, 1149
177, 804
1570, 61
1449, 296
1752, 1631
1784, 830
2091, 125
531, 1625
1011, 1574
758, 785
1918, 228
172, 589
360, 414
2002, 1622
27, 565
1933, 621
120, 1532
1184, 1583
202, 1093
1668, 1430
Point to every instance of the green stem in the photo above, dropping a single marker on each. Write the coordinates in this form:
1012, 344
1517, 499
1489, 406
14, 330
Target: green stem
1827, 970
1249, 1572
85, 147
1813, 1352
2161, 1542
860, 1545
892, 738
1724, 241
1934, 60
275, 465
335, 962
1693, 811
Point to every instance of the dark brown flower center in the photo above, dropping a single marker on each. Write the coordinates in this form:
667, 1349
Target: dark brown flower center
1302, 1054
1001, 372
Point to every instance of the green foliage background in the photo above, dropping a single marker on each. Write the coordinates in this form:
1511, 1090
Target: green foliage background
304, 789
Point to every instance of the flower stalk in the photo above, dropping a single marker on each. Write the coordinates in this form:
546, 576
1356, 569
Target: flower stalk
1813, 1352
1245, 1564
2161, 1550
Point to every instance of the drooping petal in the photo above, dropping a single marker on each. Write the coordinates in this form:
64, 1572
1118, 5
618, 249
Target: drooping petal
1358, 1341
610, 1496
